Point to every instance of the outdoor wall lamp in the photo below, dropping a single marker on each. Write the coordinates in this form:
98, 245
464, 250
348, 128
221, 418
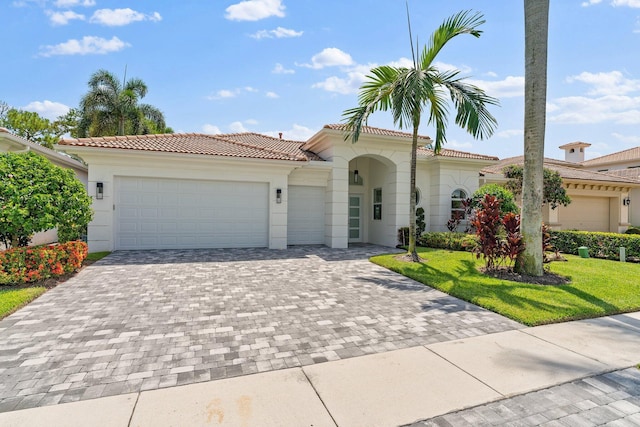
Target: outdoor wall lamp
626, 201
356, 175
99, 190
279, 195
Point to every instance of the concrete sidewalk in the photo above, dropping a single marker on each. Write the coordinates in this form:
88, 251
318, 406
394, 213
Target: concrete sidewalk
386, 389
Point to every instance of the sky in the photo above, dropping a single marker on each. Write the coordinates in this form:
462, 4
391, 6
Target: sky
292, 66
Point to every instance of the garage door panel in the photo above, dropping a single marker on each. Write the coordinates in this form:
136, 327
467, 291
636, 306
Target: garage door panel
585, 213
305, 222
167, 213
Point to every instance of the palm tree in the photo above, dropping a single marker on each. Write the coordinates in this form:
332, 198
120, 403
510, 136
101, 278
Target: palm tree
111, 108
536, 24
409, 91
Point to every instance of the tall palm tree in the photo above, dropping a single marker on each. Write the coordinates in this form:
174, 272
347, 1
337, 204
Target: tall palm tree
112, 108
409, 91
536, 25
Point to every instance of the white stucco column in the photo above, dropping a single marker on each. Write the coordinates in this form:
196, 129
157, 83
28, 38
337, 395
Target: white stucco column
337, 207
278, 212
398, 205
100, 229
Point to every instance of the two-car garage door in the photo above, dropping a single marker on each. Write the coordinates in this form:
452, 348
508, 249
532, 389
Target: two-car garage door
158, 213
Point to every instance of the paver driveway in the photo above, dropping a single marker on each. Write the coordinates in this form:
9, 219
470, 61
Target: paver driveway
150, 319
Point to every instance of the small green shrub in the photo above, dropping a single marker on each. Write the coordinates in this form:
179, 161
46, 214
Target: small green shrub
507, 200
632, 230
455, 241
30, 264
601, 245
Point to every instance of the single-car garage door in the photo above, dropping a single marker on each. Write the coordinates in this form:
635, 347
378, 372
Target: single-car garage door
158, 213
585, 213
305, 217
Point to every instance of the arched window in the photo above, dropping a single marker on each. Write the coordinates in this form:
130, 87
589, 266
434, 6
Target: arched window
457, 206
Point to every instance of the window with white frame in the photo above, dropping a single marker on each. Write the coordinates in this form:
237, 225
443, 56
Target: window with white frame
377, 203
457, 204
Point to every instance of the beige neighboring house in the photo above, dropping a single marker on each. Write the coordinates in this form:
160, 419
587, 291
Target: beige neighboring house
600, 199
12, 143
252, 190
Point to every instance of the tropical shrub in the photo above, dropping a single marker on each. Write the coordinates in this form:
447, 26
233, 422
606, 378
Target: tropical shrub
499, 240
553, 191
35, 196
506, 198
30, 264
454, 241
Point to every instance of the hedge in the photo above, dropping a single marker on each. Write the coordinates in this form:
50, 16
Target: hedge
455, 241
601, 245
30, 264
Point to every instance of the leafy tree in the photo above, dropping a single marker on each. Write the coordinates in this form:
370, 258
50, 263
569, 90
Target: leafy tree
113, 108
553, 191
407, 92
506, 200
36, 195
536, 24
30, 125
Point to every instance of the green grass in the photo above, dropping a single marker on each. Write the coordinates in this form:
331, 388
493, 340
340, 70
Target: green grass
598, 287
95, 256
13, 299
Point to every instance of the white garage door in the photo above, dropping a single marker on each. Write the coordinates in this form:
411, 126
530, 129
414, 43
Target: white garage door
585, 213
156, 213
305, 221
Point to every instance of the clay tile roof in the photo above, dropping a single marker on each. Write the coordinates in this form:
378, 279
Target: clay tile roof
567, 170
246, 145
378, 131
620, 156
445, 152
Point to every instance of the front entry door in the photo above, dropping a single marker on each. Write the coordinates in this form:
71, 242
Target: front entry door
355, 218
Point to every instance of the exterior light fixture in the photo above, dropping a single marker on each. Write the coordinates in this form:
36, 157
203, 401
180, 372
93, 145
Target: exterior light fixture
356, 176
626, 201
279, 195
99, 190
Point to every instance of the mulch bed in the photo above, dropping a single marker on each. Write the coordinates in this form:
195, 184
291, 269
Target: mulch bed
547, 279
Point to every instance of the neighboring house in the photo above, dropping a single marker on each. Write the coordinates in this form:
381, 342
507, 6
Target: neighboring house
624, 164
599, 200
251, 190
12, 143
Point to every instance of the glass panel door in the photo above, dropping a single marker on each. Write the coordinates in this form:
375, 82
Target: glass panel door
355, 211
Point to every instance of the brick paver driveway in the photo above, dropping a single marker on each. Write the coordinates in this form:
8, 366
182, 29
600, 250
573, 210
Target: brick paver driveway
144, 320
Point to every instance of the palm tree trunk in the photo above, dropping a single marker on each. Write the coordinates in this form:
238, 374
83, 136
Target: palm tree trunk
536, 17
412, 202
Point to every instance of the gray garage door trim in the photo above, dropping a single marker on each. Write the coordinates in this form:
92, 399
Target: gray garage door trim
305, 215
162, 213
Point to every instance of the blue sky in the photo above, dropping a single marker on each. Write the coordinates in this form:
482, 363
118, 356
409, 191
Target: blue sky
291, 66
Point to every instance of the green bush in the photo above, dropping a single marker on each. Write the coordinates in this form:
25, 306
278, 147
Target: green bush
632, 230
601, 245
507, 200
447, 240
30, 264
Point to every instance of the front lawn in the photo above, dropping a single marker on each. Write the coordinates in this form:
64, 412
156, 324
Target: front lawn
13, 299
597, 288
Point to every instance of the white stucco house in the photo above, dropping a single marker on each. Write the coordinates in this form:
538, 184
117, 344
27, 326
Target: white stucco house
12, 143
251, 190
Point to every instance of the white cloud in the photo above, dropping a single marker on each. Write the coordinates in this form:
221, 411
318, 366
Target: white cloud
509, 133
63, 18
255, 10
120, 17
491, 74
279, 69
510, 87
224, 93
47, 109
250, 89
88, 45
272, 95
345, 85
211, 129
629, 3
278, 33
72, 3
627, 139
453, 144
296, 133
590, 3
251, 122
616, 109
237, 127
611, 83
329, 57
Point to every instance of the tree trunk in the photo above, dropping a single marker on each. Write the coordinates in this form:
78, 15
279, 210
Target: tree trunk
412, 202
536, 19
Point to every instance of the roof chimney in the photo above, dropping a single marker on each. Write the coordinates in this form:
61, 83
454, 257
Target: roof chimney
280, 133
574, 151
